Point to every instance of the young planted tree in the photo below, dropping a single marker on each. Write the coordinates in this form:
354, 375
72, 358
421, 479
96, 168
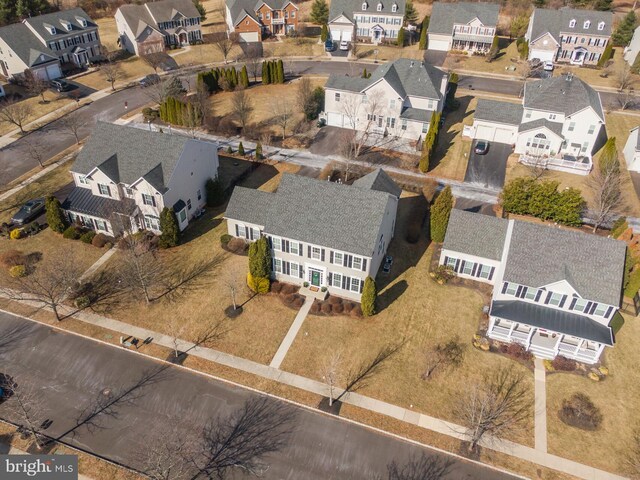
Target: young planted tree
35, 85
280, 77
241, 149
259, 151
319, 12
154, 60
224, 46
355, 138
55, 217
400, 39
369, 297
497, 406
424, 37
439, 214
606, 184
37, 151
16, 113
112, 72
330, 371
72, 123
283, 114
443, 356
324, 33
243, 81
169, 228
242, 107
495, 48
259, 266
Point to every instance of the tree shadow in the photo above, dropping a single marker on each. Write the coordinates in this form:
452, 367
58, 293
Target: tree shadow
259, 176
448, 133
333, 409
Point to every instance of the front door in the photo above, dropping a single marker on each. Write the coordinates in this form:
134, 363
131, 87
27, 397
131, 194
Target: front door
315, 278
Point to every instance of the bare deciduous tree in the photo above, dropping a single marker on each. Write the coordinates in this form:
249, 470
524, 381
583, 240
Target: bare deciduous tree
499, 405
242, 107
112, 72
154, 60
282, 114
168, 456
330, 371
443, 356
254, 64
37, 151
362, 118
524, 70
71, 124
35, 85
167, 87
224, 46
624, 77
606, 184
27, 408
536, 165
233, 280
16, 113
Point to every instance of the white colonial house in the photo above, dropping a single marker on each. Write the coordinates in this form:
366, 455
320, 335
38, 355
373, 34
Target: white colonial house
326, 234
462, 26
398, 99
632, 150
632, 50
125, 176
559, 125
154, 26
556, 291
366, 20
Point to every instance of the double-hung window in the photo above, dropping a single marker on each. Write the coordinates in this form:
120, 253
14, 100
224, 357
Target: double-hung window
531, 293
337, 97
451, 262
580, 305
467, 267
242, 232
101, 225
336, 280
355, 284
555, 299
316, 253
338, 258
276, 242
83, 179
512, 288
294, 270
485, 271
104, 190
148, 200
277, 265
152, 222
601, 309
294, 248
357, 263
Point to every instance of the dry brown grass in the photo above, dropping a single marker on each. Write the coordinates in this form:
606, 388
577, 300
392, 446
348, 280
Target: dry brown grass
479, 63
108, 32
53, 102
132, 69
388, 52
302, 47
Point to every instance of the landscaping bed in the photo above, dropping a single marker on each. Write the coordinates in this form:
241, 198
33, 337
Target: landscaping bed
333, 305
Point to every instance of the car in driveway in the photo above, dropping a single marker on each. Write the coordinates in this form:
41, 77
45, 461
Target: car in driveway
482, 147
149, 80
548, 66
344, 45
329, 46
60, 85
28, 212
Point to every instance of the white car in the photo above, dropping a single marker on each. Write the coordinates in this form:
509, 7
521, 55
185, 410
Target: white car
548, 66
344, 45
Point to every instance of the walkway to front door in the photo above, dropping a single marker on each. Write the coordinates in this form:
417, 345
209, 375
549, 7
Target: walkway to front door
291, 334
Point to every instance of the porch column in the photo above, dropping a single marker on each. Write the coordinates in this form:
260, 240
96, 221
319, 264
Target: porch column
513, 325
557, 349
599, 352
533, 330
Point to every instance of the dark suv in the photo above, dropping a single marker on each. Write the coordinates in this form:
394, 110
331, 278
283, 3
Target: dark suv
60, 85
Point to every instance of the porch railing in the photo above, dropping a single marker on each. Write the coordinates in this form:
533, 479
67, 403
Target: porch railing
560, 162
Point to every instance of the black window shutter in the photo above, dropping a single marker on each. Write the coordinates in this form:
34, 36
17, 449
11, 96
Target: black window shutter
523, 293
538, 295
504, 287
153, 200
237, 231
609, 310
330, 256
270, 242
455, 269
546, 300
474, 269
329, 279
345, 260
287, 268
562, 300
361, 285
573, 303
350, 261
593, 308
519, 291
446, 260
300, 271
364, 264
322, 254
300, 248
309, 251
285, 246
493, 269
587, 309
344, 282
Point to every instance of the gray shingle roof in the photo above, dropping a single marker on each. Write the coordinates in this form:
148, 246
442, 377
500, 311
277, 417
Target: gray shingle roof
475, 234
499, 112
313, 211
379, 180
81, 200
349, 7
556, 22
165, 10
417, 114
240, 8
55, 19
138, 18
125, 154
566, 93
552, 319
555, 127
540, 255
26, 45
445, 15
343, 82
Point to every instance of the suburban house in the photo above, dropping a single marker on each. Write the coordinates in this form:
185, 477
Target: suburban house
568, 35
398, 99
366, 20
631, 51
559, 125
632, 150
44, 44
125, 176
556, 291
327, 234
252, 21
465, 26
154, 26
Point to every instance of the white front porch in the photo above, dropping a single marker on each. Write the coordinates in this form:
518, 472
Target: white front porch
580, 165
578, 56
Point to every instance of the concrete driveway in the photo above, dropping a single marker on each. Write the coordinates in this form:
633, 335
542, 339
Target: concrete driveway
488, 170
115, 403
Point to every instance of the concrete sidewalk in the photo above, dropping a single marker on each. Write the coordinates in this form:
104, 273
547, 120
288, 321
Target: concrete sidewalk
291, 334
540, 377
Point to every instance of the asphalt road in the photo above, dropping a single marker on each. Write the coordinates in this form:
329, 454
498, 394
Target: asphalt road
489, 169
72, 375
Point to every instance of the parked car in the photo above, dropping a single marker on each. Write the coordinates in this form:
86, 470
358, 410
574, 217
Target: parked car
28, 212
548, 66
344, 45
328, 45
482, 147
149, 80
60, 85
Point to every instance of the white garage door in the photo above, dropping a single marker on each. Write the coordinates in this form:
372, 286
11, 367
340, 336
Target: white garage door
346, 35
502, 135
334, 119
543, 55
494, 134
484, 132
53, 71
335, 35
248, 37
440, 45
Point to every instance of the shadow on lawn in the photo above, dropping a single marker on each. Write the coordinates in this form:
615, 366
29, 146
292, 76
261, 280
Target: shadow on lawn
448, 133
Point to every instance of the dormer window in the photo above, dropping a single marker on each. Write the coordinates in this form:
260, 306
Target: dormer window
587, 24
394, 8
379, 8
364, 5
66, 25
601, 26
572, 23
51, 29
82, 21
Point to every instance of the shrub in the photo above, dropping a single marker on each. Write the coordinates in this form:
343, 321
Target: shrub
150, 114
338, 308
348, 306
440, 211
259, 151
88, 236
225, 239
258, 284
169, 228
326, 308
54, 214
241, 149
298, 301
516, 350
369, 297
237, 246
99, 240
276, 287
260, 258
563, 364
289, 288
18, 271
356, 311
72, 233
442, 274
215, 192
619, 226
315, 307
16, 234
604, 371
289, 298
580, 412
11, 258
334, 300
82, 301
31, 229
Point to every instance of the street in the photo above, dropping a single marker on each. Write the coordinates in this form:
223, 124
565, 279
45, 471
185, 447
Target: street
139, 400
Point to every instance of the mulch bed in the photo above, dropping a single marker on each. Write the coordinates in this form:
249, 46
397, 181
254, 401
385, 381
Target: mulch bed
333, 305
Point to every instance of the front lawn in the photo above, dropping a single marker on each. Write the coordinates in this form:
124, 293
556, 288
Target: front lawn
508, 57
387, 53
54, 101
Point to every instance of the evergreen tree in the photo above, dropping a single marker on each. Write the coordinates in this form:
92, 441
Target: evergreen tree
241, 149
568, 210
244, 77
524, 53
439, 213
609, 155
258, 151
201, 10
324, 33
453, 88
400, 39
280, 69
265, 73
410, 13
516, 195
424, 38
369, 297
606, 55
55, 217
428, 146
270, 71
603, 5
169, 228
215, 192
495, 48
364, 73
260, 258
622, 36
319, 12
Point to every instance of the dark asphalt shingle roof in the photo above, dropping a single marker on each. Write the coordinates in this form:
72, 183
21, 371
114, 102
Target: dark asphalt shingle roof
555, 127
125, 154
26, 45
540, 255
565, 93
349, 7
476, 234
138, 18
417, 114
556, 22
343, 82
552, 319
313, 211
445, 15
55, 19
499, 112
241, 8
379, 180
165, 10
81, 200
